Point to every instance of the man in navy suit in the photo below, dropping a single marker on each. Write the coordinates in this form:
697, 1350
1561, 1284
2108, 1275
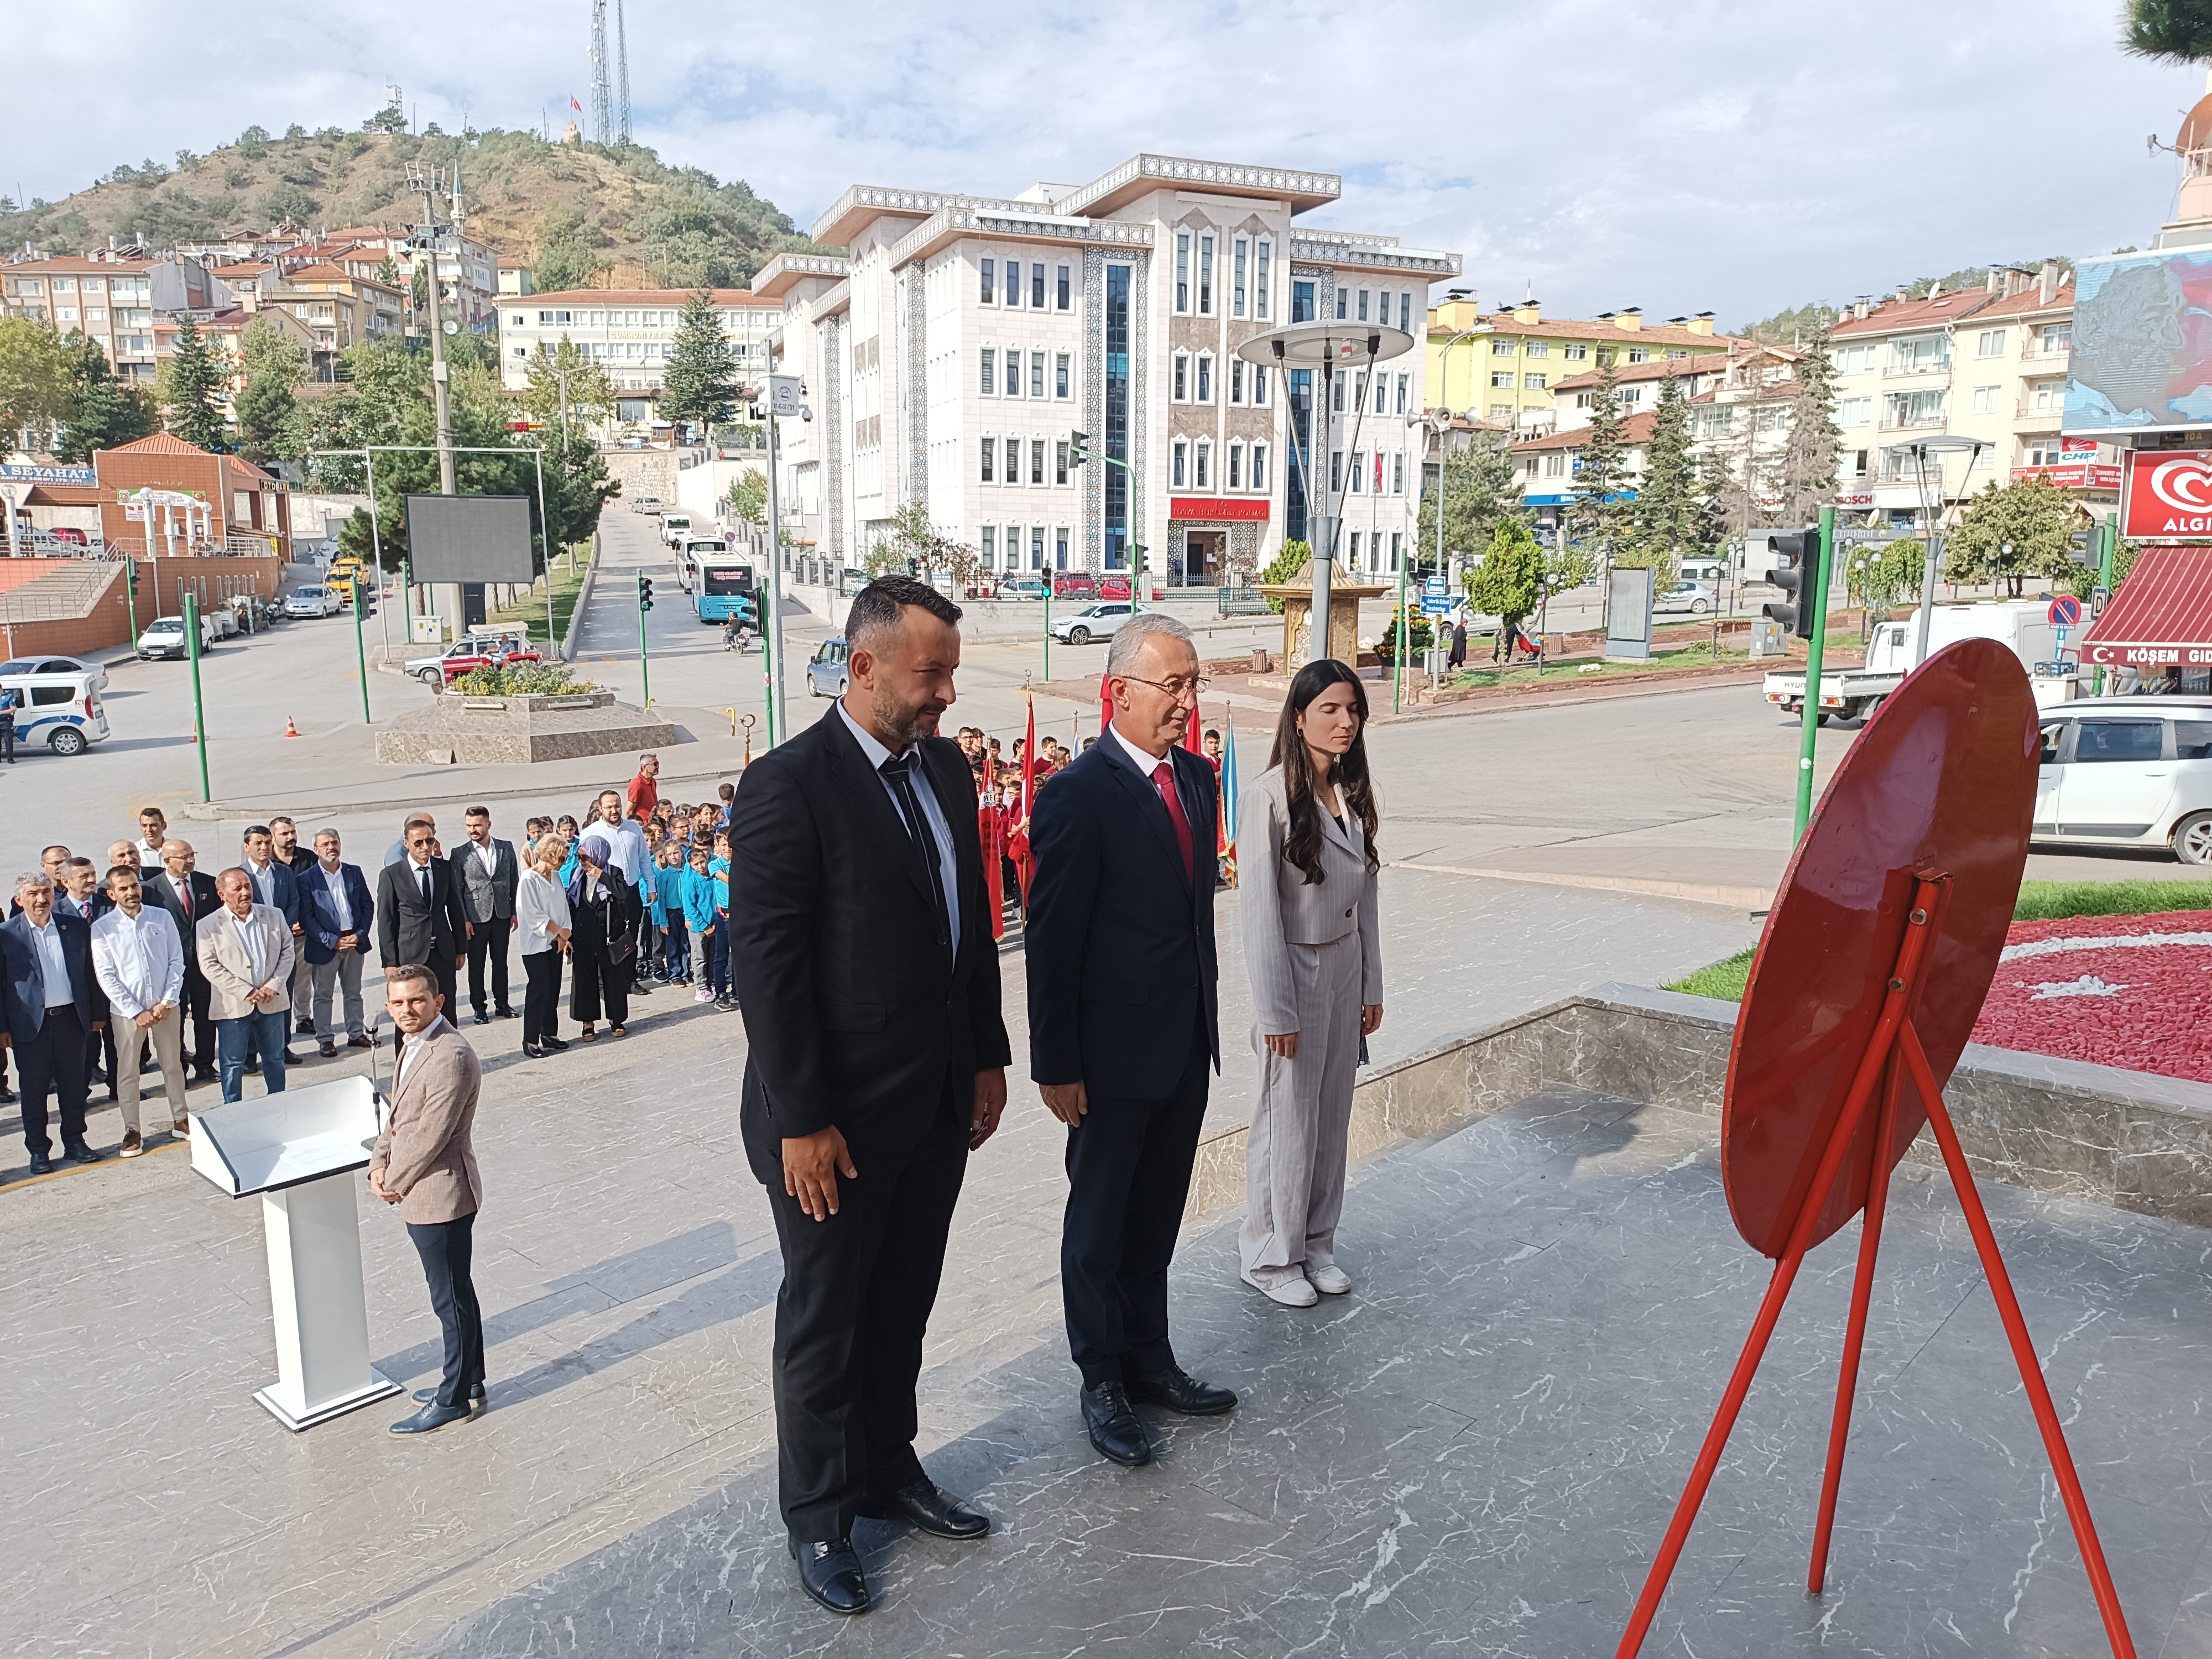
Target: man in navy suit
274, 885
50, 1006
1122, 1022
338, 912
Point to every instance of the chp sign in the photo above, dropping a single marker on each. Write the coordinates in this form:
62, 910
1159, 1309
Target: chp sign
2169, 494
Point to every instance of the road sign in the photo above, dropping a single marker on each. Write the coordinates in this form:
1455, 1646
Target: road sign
783, 394
1432, 587
2065, 610
1436, 605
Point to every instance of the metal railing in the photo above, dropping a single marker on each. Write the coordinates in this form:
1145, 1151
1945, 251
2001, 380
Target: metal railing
68, 595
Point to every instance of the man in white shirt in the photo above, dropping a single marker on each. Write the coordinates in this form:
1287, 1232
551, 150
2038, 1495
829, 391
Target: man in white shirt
153, 833
140, 963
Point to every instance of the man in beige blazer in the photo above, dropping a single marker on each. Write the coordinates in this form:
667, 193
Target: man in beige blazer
425, 1163
246, 953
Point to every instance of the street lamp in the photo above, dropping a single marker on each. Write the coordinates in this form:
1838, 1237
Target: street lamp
1327, 346
1931, 511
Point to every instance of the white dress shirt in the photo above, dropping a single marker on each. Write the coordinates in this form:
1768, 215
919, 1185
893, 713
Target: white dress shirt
407, 1049
631, 855
138, 960
931, 812
1146, 763
264, 878
341, 907
488, 856
53, 966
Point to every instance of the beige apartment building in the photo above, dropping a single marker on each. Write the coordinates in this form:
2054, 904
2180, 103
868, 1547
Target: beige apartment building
112, 299
1506, 366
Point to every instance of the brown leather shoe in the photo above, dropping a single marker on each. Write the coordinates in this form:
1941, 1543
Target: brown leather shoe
132, 1146
182, 1128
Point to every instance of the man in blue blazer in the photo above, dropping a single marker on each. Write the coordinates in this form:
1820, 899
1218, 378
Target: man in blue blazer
49, 1007
336, 913
1123, 1021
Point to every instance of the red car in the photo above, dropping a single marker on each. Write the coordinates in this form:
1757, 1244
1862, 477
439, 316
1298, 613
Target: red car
1077, 584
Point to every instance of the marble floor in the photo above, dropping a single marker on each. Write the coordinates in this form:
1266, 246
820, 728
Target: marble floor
1476, 1452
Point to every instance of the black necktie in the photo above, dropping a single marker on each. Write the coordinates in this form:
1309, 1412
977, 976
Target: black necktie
426, 887
898, 771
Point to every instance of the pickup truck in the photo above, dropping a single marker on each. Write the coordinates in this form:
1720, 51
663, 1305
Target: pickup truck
2023, 625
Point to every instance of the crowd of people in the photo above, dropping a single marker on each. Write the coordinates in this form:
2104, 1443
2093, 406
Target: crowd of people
145, 963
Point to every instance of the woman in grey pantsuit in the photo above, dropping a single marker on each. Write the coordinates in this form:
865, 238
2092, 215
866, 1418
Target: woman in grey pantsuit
1306, 843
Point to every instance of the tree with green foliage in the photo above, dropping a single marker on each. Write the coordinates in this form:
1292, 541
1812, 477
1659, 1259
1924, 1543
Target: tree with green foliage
268, 413
1882, 575
567, 385
1803, 474
1509, 583
1668, 521
578, 487
748, 497
2011, 532
1482, 489
1284, 567
389, 119
100, 411
1599, 514
2168, 31
34, 380
191, 388
701, 384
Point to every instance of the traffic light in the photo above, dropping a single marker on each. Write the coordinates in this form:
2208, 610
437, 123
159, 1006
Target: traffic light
1794, 574
130, 577
644, 592
1078, 448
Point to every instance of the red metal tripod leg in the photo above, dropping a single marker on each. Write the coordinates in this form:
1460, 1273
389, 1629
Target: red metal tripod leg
1847, 1378
2023, 1350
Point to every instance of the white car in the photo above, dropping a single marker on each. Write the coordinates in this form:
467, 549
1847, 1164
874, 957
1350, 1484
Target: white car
311, 602
17, 668
1093, 622
2127, 772
164, 636
1695, 598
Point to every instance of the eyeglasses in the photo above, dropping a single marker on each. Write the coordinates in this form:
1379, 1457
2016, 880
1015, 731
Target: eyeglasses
1177, 688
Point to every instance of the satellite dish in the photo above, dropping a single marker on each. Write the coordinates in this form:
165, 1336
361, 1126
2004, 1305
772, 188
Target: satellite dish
452, 327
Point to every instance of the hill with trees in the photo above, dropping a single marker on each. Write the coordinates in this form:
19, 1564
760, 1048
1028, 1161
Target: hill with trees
579, 214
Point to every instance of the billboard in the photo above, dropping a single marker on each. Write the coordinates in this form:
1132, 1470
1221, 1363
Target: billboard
2141, 357
469, 538
2169, 494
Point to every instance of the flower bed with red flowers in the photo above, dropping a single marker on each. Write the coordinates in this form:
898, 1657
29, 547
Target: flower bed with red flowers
2127, 991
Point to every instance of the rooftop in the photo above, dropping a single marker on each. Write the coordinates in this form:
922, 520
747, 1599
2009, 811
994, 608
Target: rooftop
632, 296
1634, 430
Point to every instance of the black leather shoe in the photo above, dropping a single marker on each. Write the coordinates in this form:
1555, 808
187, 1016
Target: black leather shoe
42, 1164
429, 1397
1114, 1428
532, 1051
831, 1574
1179, 1391
303, 1028
327, 1049
83, 1155
553, 1045
481, 1017
430, 1417
506, 1013
359, 1042
253, 1068
928, 1507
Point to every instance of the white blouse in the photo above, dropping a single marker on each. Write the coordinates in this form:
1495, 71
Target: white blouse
541, 904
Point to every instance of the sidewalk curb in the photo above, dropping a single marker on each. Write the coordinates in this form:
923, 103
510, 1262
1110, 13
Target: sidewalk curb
583, 598
1695, 892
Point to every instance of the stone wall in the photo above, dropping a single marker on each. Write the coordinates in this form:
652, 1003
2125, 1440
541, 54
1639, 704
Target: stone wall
2128, 1139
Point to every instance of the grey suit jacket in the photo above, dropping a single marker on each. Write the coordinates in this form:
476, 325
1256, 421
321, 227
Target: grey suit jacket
486, 897
1281, 909
224, 960
425, 1153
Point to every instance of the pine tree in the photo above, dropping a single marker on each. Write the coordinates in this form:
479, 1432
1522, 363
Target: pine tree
268, 414
1669, 519
702, 382
1598, 513
1804, 473
99, 412
1481, 491
193, 382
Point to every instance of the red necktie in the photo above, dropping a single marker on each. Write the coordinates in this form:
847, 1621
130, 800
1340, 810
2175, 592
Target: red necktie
185, 892
1164, 780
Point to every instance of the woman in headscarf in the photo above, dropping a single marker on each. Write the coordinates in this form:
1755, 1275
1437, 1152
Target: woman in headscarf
603, 913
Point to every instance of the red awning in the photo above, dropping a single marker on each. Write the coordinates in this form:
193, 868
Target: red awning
2161, 618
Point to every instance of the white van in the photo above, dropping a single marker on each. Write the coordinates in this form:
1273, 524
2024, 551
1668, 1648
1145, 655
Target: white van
62, 711
674, 527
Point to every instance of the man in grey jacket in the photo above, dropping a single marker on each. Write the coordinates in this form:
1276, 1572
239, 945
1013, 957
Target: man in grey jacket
485, 873
425, 1163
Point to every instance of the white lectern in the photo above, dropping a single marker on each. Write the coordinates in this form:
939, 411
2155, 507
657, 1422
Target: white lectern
301, 1151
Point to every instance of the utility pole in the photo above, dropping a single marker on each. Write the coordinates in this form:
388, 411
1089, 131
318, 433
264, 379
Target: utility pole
429, 183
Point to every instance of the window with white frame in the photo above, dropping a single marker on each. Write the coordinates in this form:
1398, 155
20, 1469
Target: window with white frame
1202, 466
1259, 385
1036, 547
1259, 469
1397, 472
1855, 359
1063, 294
1036, 370
1358, 472
1037, 286
1537, 348
1182, 271
1059, 548
1059, 461
1405, 391
1989, 343
1205, 276
1362, 305
988, 554
1985, 399
1631, 396
1555, 465
1036, 460
1773, 418
1014, 547
1533, 382
988, 379
1235, 477
1501, 411
1205, 377
1178, 455
1335, 471
1343, 300
987, 271
1406, 312
1237, 256
1381, 394
990, 453
1336, 394
1503, 348
1501, 378
1014, 282
1261, 277
1235, 379
1062, 384
1181, 377
1853, 411
1575, 351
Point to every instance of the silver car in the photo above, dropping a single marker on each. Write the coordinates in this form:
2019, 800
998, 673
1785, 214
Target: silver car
1695, 598
825, 670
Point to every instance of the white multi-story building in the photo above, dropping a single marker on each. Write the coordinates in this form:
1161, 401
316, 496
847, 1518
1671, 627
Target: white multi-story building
958, 342
629, 332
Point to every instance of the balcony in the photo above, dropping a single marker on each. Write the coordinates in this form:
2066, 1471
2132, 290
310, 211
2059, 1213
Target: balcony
2034, 351
2039, 414
1911, 423
1918, 371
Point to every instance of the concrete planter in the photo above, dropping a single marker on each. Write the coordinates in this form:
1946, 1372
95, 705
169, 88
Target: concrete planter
515, 731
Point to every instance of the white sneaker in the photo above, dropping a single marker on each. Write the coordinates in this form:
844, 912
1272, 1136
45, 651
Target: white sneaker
1331, 1280
1289, 1293
702, 995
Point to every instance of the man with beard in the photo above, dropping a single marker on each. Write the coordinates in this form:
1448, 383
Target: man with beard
861, 947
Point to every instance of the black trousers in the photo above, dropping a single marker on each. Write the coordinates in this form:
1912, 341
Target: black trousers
489, 941
857, 1292
53, 1062
201, 1049
446, 1248
1128, 1176
541, 996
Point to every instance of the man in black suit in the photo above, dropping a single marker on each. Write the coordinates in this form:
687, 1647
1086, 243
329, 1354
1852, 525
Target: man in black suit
50, 1007
1122, 1022
188, 897
861, 945
418, 916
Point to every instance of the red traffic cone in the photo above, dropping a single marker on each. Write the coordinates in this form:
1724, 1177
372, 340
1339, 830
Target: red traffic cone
290, 730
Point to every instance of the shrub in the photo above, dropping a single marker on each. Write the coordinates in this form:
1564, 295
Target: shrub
527, 679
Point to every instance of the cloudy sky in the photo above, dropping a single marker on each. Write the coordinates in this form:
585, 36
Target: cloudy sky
1682, 157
